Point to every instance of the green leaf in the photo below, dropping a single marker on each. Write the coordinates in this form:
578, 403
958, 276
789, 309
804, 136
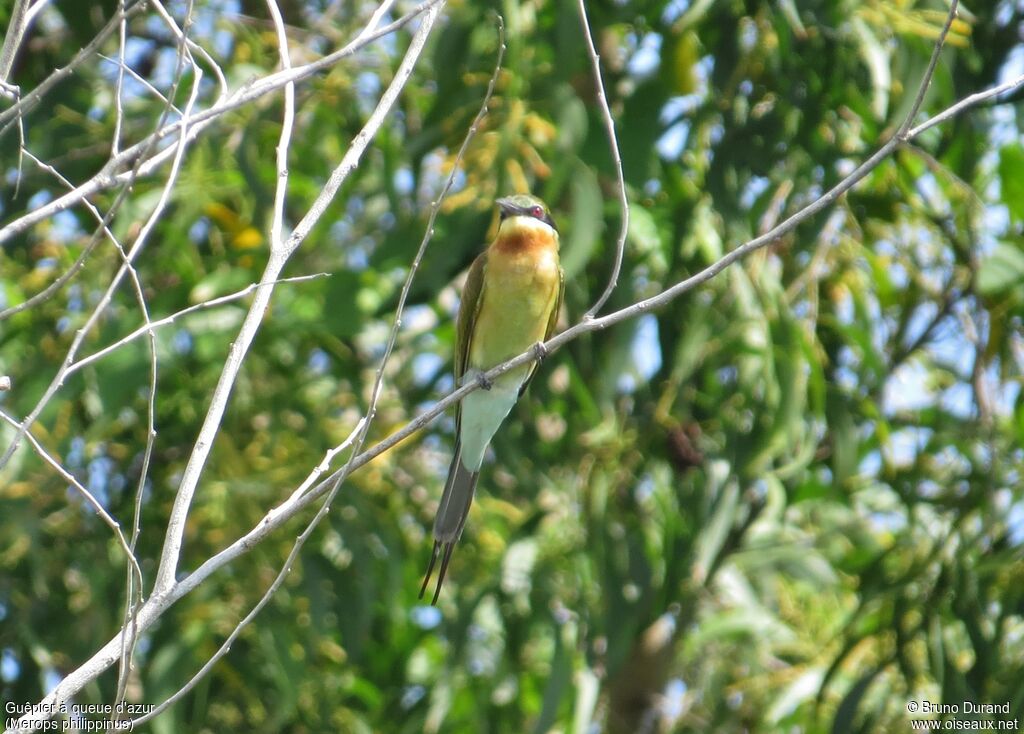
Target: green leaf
220, 282
1001, 270
560, 677
725, 487
587, 221
876, 58
795, 694
341, 313
843, 721
588, 685
704, 237
1011, 176
643, 230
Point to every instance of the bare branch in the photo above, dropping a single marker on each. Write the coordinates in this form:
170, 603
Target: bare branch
609, 124
166, 590
966, 103
277, 226
359, 434
278, 258
104, 301
383, 9
122, 41
17, 26
133, 586
109, 175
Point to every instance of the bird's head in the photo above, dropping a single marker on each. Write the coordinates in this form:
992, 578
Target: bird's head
524, 211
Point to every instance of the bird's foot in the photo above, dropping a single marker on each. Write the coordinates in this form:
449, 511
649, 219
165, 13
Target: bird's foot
484, 382
540, 351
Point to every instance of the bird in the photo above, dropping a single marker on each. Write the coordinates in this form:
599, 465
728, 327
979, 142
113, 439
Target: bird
510, 302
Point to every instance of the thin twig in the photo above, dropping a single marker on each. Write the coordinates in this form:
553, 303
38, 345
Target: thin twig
966, 103
136, 282
383, 9
192, 46
284, 142
102, 222
55, 287
609, 124
122, 42
31, 99
929, 71
141, 80
102, 229
325, 463
152, 326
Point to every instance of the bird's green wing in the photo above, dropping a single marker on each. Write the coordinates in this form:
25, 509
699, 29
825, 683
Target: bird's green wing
553, 319
552, 322
468, 310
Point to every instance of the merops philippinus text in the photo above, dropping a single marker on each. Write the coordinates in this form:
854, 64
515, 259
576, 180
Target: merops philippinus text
510, 302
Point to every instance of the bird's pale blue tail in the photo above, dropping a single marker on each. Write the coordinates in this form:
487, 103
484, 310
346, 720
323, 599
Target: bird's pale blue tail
451, 517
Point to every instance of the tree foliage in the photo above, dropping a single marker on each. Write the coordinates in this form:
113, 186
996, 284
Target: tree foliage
791, 500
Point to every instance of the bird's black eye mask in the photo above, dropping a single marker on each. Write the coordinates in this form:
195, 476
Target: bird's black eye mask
534, 211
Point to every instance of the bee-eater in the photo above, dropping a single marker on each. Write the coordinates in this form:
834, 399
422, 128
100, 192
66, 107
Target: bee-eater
510, 302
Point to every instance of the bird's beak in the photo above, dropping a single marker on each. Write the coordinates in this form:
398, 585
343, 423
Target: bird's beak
506, 206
